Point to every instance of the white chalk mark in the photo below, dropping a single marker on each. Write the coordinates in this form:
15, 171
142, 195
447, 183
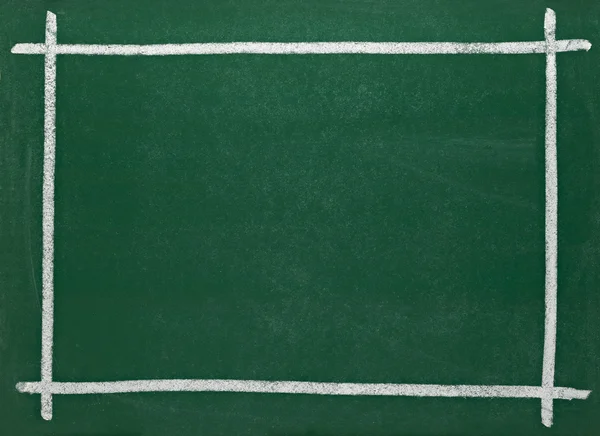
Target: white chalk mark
547, 392
301, 387
48, 211
551, 219
343, 47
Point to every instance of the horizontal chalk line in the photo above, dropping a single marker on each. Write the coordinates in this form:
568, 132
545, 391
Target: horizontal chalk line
305, 48
301, 387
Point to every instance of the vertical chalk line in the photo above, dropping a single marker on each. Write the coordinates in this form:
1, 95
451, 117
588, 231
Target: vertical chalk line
48, 213
551, 221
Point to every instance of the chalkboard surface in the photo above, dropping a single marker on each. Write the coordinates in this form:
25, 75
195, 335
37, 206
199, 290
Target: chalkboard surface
336, 218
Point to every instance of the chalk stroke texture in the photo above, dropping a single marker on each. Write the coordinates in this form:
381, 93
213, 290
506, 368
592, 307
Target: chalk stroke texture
547, 392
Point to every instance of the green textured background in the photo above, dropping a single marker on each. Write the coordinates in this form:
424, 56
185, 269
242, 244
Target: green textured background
354, 218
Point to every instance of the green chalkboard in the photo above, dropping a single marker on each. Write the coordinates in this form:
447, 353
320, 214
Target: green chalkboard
303, 226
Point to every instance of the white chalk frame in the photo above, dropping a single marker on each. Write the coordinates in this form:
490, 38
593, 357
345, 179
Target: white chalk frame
547, 392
